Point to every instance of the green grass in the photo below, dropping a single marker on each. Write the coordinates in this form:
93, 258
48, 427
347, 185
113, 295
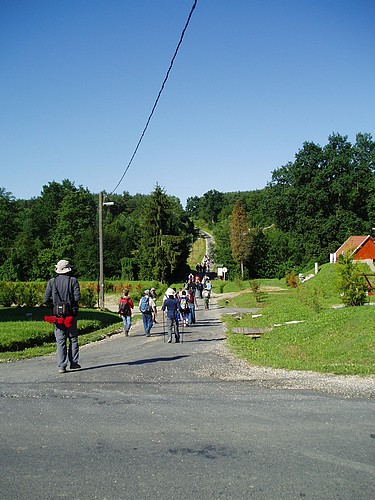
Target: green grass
24, 338
197, 252
328, 340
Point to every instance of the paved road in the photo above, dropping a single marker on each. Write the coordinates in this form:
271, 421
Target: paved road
145, 419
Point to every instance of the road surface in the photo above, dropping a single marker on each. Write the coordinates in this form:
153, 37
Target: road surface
144, 419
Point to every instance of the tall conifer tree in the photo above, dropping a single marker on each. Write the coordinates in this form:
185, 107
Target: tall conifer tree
240, 237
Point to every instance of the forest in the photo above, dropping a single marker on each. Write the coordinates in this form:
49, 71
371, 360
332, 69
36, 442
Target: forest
307, 210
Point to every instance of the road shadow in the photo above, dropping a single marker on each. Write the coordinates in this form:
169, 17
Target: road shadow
138, 362
208, 322
204, 340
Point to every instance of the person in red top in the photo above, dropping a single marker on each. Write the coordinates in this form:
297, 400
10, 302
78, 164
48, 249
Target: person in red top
125, 307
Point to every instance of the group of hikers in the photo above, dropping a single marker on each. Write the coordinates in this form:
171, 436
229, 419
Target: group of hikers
178, 306
62, 295
204, 266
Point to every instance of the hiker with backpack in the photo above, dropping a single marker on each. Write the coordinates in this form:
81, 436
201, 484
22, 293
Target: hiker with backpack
207, 293
125, 307
155, 312
147, 308
172, 306
192, 303
62, 295
184, 307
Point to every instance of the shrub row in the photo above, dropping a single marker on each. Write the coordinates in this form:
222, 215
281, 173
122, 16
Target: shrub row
32, 294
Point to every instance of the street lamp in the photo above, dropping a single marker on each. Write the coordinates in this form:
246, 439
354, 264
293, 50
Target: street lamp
102, 204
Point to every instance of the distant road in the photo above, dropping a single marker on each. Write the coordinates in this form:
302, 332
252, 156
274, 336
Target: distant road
209, 240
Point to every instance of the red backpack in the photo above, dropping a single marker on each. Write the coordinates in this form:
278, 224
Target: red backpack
124, 306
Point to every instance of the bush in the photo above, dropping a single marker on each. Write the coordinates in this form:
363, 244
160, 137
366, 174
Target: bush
353, 287
88, 298
6, 293
28, 294
291, 279
255, 287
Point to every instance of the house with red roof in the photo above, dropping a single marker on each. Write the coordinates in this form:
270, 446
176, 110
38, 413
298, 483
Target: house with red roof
360, 248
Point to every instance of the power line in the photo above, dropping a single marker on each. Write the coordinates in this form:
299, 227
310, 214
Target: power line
158, 97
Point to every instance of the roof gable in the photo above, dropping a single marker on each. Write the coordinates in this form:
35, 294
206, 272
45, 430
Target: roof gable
352, 245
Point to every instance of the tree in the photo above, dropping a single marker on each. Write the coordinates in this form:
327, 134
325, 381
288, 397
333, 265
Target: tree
7, 223
77, 213
222, 251
165, 241
193, 206
240, 236
211, 206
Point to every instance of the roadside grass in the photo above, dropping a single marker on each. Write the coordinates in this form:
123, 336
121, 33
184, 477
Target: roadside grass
22, 338
327, 339
220, 286
197, 252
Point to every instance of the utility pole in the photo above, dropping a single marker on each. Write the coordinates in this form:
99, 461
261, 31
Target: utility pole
101, 204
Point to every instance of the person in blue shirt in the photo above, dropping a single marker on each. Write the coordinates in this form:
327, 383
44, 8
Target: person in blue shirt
172, 306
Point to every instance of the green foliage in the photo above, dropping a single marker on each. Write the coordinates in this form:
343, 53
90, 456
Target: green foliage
6, 293
19, 333
291, 279
197, 253
338, 341
240, 236
62, 223
311, 334
165, 240
312, 297
352, 286
88, 298
222, 252
21, 294
255, 288
309, 208
129, 268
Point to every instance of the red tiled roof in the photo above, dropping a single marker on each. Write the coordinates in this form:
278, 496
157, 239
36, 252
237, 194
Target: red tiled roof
352, 244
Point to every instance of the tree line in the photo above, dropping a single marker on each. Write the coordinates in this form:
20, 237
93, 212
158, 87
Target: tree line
146, 237
306, 211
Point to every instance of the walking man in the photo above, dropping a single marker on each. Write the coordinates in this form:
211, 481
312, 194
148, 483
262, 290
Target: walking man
63, 294
172, 305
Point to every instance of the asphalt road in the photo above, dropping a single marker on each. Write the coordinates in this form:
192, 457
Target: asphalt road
144, 419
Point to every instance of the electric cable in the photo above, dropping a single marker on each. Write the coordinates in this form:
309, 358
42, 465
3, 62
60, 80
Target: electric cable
158, 97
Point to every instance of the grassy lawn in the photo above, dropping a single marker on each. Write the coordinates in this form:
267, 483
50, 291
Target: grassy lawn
325, 339
197, 253
24, 334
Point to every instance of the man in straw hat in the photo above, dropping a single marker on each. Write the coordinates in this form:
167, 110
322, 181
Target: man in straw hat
63, 294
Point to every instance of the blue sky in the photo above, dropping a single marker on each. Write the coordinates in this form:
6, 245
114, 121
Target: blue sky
252, 81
